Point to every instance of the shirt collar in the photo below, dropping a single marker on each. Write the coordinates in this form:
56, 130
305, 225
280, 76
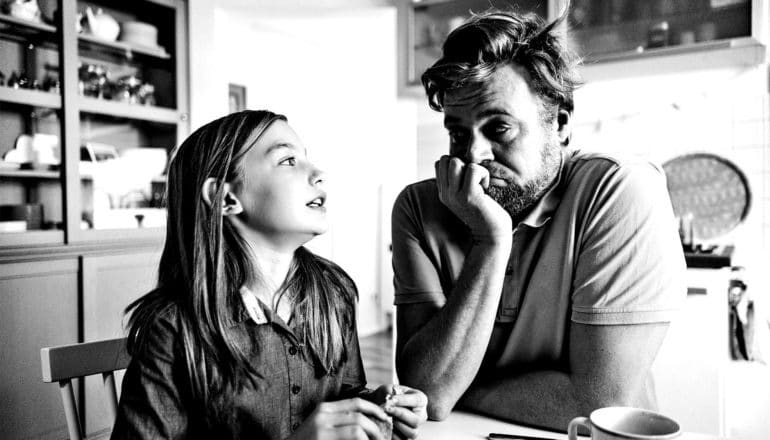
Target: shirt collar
252, 308
548, 203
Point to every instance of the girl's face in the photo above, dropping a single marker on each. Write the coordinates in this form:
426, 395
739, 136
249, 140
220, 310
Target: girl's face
281, 192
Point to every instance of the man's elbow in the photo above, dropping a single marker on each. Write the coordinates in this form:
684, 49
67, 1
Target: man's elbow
617, 397
439, 404
438, 410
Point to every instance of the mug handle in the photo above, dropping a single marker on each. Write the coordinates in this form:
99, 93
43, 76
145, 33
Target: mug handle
573, 426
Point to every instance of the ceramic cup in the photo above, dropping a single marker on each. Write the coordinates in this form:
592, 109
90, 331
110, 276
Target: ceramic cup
623, 423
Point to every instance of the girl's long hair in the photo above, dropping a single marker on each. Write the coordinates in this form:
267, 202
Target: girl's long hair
205, 261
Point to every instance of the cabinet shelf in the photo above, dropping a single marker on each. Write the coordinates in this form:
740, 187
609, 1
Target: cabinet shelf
90, 42
26, 26
32, 98
52, 175
130, 111
747, 51
29, 174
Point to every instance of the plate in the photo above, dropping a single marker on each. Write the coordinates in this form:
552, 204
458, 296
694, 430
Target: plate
711, 188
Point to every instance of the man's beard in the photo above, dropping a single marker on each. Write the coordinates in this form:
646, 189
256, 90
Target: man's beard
519, 199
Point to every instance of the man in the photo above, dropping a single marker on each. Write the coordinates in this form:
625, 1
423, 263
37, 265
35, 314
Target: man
533, 282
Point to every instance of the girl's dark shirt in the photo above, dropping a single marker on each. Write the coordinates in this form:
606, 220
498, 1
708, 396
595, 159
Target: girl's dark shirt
155, 402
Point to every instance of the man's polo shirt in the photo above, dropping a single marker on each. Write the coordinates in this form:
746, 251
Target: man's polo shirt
601, 247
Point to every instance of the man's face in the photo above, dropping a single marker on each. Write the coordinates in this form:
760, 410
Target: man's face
501, 126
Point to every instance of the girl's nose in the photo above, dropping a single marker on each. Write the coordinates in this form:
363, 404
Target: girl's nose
317, 176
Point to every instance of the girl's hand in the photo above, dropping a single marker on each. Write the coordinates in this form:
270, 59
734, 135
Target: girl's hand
343, 420
407, 406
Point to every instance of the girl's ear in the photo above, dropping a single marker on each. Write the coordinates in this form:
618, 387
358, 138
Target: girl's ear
230, 203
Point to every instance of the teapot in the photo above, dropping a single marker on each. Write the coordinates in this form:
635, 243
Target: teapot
102, 25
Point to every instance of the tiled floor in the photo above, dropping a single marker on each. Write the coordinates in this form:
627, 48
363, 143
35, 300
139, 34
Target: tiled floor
377, 355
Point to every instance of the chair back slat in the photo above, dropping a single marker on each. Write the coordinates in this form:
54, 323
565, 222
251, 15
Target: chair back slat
70, 410
112, 394
85, 359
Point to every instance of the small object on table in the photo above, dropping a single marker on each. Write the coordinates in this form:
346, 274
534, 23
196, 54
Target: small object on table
707, 31
496, 436
386, 426
658, 35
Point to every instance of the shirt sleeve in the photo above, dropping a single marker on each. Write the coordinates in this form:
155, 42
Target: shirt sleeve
353, 376
415, 276
150, 403
630, 268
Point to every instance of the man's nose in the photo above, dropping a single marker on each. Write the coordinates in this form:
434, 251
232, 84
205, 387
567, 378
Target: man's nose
478, 150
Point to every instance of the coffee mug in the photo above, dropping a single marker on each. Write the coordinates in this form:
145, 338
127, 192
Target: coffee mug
624, 423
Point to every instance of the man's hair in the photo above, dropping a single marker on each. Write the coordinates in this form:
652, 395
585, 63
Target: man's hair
486, 41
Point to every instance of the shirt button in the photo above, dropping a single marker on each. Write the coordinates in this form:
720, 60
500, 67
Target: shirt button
296, 389
292, 350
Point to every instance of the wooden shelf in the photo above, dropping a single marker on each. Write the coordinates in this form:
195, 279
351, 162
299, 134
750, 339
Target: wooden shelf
31, 237
27, 26
737, 51
29, 174
130, 111
52, 175
32, 98
121, 48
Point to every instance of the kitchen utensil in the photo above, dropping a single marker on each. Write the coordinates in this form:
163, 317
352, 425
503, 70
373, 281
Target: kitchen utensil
623, 423
148, 161
102, 25
139, 33
30, 213
711, 188
13, 226
25, 10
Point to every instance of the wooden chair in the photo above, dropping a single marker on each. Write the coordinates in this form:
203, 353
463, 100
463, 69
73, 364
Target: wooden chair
66, 362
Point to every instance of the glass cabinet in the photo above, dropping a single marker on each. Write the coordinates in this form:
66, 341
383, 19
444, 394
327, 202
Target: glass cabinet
599, 30
611, 29
93, 99
30, 125
430, 21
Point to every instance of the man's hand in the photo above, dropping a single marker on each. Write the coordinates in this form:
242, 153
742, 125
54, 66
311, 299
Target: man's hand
461, 188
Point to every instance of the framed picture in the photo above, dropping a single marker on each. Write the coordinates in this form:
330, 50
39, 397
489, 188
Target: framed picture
237, 98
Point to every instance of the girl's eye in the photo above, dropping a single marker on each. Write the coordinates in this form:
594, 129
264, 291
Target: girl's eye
290, 161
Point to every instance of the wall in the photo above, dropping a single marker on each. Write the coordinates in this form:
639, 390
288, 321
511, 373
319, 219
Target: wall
668, 112
333, 75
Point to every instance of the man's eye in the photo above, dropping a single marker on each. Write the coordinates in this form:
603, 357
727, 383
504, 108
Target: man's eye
290, 161
456, 136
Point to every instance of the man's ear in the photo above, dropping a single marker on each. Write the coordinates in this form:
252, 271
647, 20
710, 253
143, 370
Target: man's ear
564, 126
230, 203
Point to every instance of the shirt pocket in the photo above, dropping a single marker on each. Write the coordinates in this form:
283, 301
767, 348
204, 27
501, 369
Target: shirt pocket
510, 300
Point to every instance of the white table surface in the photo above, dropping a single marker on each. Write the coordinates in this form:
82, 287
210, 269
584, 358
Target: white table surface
466, 426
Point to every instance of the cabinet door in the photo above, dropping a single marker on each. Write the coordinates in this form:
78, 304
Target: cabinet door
30, 130
610, 29
38, 308
691, 365
110, 283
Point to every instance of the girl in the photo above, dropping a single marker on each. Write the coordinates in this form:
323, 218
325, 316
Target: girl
249, 334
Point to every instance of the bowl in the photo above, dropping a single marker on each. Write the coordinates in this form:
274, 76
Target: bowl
139, 33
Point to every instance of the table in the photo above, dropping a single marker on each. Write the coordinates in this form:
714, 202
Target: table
466, 426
